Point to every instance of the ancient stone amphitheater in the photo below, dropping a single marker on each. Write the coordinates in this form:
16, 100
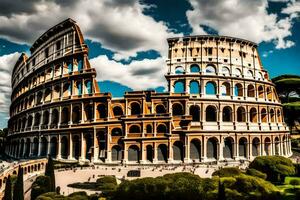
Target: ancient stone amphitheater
220, 105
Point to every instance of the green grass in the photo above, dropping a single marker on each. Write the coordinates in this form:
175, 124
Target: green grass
288, 190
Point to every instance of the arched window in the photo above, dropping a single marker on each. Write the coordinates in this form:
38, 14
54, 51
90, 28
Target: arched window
179, 70
225, 89
260, 92
162, 128
135, 108
238, 90
149, 129
88, 85
261, 77
54, 117
211, 114
46, 117
269, 94
238, 72
241, 114
79, 87
177, 109
272, 115
179, 87
47, 96
264, 117
65, 115
195, 112
80, 65
134, 129
253, 115
210, 88
195, 68
89, 112
250, 91
101, 108
37, 119
76, 115
227, 114
279, 116
160, 109
116, 132
210, 69
250, 74
225, 71
117, 110
194, 87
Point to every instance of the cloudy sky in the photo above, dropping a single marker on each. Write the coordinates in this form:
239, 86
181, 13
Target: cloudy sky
127, 38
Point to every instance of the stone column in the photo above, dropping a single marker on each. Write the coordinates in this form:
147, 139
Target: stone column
170, 156
40, 147
70, 157
204, 149
143, 151
155, 153
59, 147
187, 150
83, 147
96, 146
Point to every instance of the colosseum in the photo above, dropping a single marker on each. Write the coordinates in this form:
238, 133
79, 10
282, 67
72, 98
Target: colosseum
220, 106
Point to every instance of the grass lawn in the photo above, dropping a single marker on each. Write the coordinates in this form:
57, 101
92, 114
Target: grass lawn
287, 189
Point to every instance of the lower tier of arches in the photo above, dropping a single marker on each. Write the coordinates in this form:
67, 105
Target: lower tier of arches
191, 148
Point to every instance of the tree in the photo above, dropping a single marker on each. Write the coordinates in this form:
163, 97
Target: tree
49, 171
40, 186
7, 193
221, 191
18, 193
286, 85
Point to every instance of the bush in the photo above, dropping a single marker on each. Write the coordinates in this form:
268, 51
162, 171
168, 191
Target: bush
227, 172
294, 182
40, 186
276, 167
254, 172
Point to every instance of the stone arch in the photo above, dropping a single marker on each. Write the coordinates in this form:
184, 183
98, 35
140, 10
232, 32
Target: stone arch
118, 111
195, 149
53, 147
250, 91
35, 146
135, 108
225, 89
243, 147
76, 115
269, 94
65, 116
29, 121
228, 148
116, 132
116, 153
194, 87
225, 71
260, 92
267, 146
76, 147
195, 68
179, 86
27, 151
241, 114
46, 117
22, 146
210, 68
255, 146
149, 153
162, 128
101, 137
37, 119
238, 90
238, 72
134, 129
264, 117
212, 148
162, 152
133, 153
211, 113
253, 115
64, 147
47, 95
250, 74
277, 145
210, 88
195, 112
227, 114
177, 109
160, 109
179, 70
89, 112
88, 146
102, 111
272, 115
44, 147
178, 151
54, 117
149, 128
279, 119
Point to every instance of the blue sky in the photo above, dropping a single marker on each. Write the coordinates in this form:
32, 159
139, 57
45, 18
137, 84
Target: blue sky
127, 38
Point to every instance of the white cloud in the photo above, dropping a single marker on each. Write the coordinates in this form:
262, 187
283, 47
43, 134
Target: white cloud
293, 9
241, 18
137, 75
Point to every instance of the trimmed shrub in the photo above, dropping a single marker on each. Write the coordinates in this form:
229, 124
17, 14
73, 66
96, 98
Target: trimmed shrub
40, 186
227, 172
254, 172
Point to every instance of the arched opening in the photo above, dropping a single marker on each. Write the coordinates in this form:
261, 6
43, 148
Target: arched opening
253, 115
194, 87
210, 88
228, 148
134, 129
135, 108
65, 116
46, 117
211, 114
277, 146
195, 112
88, 146
238, 72
225, 71
133, 153
76, 115
101, 136
160, 109
149, 153
225, 89
162, 153
67, 89
243, 147
269, 94
162, 128
29, 122
255, 147
241, 114
21, 148
179, 87
250, 91
39, 97
212, 148
64, 147
261, 92
195, 150
264, 117
89, 114
210, 69
177, 109
27, 150
238, 90
179, 70
227, 114
37, 119
250, 74
279, 119
178, 151
102, 113
76, 147
118, 111
195, 68
79, 88
267, 146
53, 147
149, 128
47, 96
116, 153
272, 115
44, 147
116, 132
88, 85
